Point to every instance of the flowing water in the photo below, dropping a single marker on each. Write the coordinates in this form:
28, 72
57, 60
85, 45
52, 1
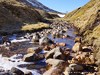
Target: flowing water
7, 65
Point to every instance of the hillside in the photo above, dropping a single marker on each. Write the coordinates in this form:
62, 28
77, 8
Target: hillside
37, 4
15, 15
87, 20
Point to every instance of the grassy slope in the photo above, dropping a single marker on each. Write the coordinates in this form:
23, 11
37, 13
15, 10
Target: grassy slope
87, 20
14, 15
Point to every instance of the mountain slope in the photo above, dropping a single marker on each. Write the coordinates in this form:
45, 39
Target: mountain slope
15, 15
37, 4
87, 20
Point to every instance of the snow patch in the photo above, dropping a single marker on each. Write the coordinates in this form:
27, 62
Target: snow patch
61, 15
7, 65
20, 40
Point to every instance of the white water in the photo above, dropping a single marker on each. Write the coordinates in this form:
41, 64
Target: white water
20, 40
7, 65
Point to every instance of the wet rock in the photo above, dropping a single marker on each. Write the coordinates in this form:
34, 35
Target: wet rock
16, 71
34, 66
76, 67
28, 73
73, 61
64, 36
54, 62
62, 44
48, 72
77, 39
57, 72
47, 48
88, 61
35, 38
59, 69
33, 57
45, 41
77, 47
86, 49
97, 62
34, 50
92, 59
54, 53
28, 57
30, 50
52, 46
67, 71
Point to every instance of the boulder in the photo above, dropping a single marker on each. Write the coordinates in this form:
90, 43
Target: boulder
34, 66
77, 39
52, 46
35, 38
62, 44
16, 71
47, 48
54, 53
28, 73
54, 62
67, 71
45, 41
88, 61
28, 57
76, 67
33, 57
77, 47
30, 50
48, 72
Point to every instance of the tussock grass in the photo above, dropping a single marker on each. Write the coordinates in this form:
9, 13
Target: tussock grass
30, 27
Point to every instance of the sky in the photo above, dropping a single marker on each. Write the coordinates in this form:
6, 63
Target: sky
64, 5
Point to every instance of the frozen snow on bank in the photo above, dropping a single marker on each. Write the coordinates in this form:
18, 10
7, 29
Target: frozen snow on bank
7, 65
19, 40
61, 15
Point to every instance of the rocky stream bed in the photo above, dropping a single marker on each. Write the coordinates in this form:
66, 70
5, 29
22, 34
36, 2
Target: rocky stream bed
55, 51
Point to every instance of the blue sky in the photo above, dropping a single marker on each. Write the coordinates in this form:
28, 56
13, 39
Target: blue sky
64, 5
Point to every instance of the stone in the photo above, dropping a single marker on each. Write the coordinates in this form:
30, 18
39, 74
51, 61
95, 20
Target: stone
34, 66
76, 67
88, 61
30, 50
45, 41
62, 44
54, 62
33, 57
48, 72
77, 47
92, 59
74, 61
54, 53
35, 38
28, 73
47, 48
77, 39
97, 62
27, 57
16, 71
52, 46
67, 71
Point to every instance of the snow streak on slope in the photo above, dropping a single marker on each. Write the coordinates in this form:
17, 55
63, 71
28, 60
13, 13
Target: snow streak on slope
39, 5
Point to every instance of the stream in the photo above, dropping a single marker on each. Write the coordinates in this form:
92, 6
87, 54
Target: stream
7, 65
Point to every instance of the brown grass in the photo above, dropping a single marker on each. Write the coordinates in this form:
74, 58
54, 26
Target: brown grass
37, 26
